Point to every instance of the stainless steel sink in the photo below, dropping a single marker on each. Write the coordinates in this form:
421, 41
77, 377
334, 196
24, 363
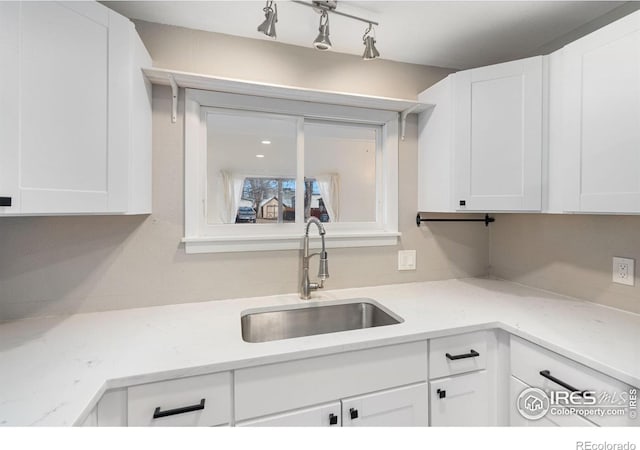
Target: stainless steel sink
352, 314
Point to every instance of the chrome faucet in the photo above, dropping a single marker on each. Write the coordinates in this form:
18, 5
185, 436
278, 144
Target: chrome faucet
306, 286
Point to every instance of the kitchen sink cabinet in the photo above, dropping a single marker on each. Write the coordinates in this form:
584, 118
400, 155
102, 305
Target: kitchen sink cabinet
326, 415
277, 388
75, 122
400, 407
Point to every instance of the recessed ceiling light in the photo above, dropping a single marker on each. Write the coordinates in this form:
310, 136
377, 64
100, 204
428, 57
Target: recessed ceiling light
265, 142
259, 156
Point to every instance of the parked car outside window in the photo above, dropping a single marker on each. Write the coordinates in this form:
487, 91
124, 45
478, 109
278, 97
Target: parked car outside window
246, 214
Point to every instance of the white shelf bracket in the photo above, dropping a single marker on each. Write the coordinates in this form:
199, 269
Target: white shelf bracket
403, 119
174, 99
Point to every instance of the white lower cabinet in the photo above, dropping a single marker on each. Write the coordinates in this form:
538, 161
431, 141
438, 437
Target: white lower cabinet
202, 401
559, 420
401, 407
462, 375
326, 415
381, 380
198, 401
470, 379
461, 401
589, 389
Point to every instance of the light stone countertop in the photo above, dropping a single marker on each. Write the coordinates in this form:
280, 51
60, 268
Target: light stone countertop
54, 370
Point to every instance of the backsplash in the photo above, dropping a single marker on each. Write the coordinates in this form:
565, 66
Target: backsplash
568, 254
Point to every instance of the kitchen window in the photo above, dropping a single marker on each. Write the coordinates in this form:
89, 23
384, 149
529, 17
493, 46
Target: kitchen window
257, 168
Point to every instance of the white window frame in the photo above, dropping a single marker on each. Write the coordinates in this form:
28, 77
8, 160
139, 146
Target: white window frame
203, 237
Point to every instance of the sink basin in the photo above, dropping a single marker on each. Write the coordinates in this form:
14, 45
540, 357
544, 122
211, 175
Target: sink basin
353, 314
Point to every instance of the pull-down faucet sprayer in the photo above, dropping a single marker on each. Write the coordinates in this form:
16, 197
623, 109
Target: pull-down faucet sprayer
306, 286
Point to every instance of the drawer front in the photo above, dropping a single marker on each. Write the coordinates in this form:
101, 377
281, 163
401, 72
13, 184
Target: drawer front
461, 401
560, 420
457, 354
195, 401
273, 388
528, 360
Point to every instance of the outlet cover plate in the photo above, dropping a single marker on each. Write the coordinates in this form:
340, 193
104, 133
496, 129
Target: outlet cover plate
406, 260
623, 271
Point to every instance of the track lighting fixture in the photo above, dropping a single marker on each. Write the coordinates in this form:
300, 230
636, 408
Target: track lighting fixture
268, 27
370, 50
322, 42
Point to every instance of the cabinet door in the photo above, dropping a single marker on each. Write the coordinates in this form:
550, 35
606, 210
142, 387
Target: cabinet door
517, 420
602, 119
401, 407
318, 416
498, 137
462, 401
9, 99
70, 152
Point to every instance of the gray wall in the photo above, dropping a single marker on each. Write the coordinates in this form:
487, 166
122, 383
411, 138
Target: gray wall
569, 254
62, 265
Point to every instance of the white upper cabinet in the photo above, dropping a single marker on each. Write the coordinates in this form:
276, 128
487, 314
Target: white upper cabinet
481, 144
601, 119
75, 122
498, 137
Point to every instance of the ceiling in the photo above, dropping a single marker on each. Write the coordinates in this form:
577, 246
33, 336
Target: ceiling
454, 34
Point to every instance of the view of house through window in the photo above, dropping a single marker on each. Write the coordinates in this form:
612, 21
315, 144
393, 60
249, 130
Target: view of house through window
252, 169
267, 200
273, 200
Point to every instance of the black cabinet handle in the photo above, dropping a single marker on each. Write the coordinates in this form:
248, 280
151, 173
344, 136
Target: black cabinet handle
333, 419
172, 412
353, 413
471, 354
441, 393
548, 376
5, 201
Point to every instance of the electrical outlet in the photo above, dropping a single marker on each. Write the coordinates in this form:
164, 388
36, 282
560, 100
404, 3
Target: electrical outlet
406, 260
623, 271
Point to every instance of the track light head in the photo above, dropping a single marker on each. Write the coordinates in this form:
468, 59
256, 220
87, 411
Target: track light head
268, 27
370, 50
323, 42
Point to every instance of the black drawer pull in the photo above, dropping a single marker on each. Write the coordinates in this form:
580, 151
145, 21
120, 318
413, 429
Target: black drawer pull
548, 376
471, 354
5, 201
333, 419
172, 412
441, 393
353, 413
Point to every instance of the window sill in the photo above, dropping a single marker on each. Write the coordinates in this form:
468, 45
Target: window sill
225, 244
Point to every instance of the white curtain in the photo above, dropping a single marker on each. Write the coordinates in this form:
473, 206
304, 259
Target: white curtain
329, 185
231, 194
